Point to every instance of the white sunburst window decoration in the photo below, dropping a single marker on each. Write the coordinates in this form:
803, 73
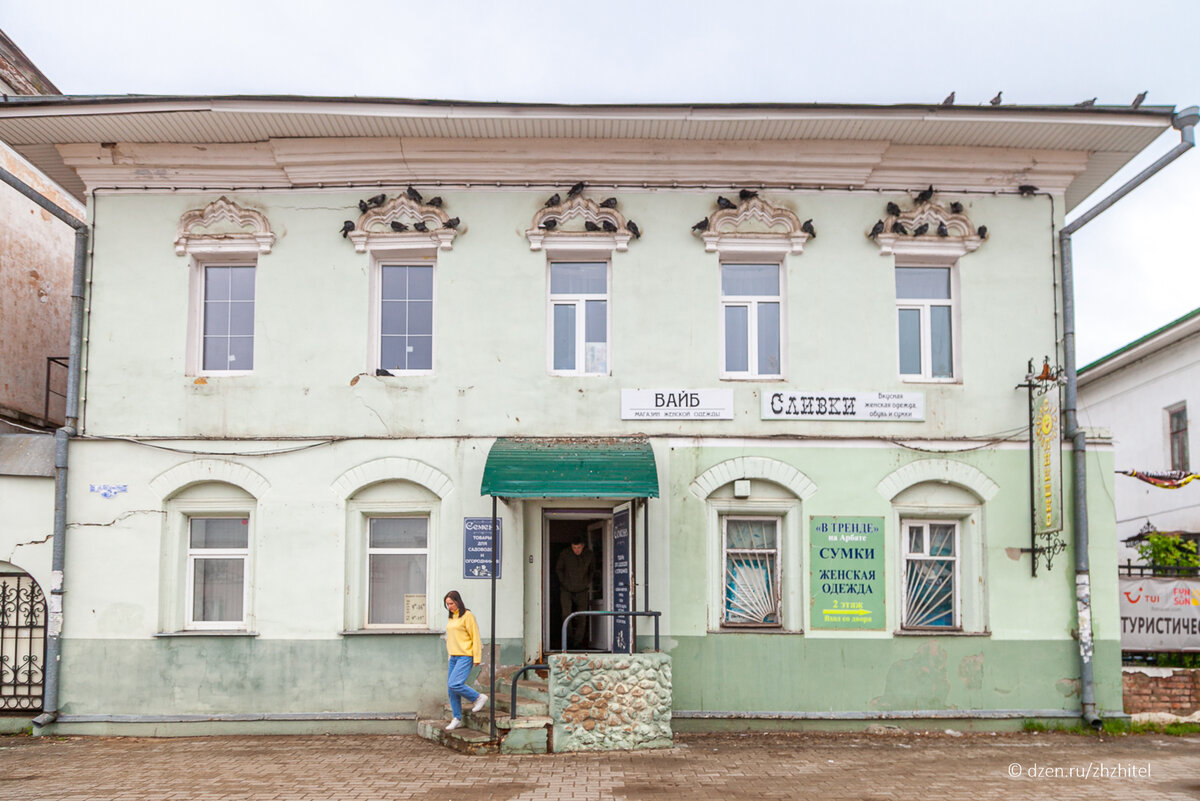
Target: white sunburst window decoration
751, 591
930, 574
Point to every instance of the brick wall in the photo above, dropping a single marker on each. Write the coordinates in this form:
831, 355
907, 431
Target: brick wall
1174, 690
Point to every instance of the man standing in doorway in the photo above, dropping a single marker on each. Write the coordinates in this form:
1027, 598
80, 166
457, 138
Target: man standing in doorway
574, 570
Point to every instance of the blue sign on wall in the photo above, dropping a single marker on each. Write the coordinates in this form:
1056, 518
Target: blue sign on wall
622, 639
477, 547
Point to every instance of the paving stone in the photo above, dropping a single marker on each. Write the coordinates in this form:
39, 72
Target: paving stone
741, 766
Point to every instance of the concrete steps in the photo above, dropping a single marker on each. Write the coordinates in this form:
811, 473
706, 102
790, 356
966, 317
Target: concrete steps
528, 732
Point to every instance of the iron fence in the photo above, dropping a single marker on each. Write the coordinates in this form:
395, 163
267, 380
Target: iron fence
22, 643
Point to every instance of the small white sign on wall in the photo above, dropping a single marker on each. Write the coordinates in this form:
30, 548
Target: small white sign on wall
793, 404
677, 404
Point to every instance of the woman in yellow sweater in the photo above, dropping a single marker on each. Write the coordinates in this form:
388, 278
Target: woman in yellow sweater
466, 650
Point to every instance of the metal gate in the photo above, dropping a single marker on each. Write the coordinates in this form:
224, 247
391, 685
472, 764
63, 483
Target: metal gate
22, 643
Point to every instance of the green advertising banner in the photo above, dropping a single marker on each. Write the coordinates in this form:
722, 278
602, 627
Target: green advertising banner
847, 573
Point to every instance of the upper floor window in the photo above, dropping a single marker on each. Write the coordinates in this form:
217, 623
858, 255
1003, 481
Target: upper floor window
406, 318
1178, 434
228, 328
751, 321
225, 242
579, 319
925, 318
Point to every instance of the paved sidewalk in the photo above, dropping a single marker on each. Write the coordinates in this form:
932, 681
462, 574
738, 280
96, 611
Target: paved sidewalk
723, 767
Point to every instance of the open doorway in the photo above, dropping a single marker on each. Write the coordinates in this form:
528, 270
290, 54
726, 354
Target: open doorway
560, 529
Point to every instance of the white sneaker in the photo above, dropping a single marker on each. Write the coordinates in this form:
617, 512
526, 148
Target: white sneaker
479, 702
454, 724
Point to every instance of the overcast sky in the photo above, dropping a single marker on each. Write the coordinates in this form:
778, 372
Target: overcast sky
1134, 270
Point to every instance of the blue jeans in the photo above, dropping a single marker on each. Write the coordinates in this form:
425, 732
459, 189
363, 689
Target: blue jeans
456, 683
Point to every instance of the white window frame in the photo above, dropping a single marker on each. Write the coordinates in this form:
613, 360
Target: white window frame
1171, 411
752, 302
906, 557
192, 555
924, 306
792, 576
398, 254
358, 579
579, 300
777, 590
370, 551
196, 289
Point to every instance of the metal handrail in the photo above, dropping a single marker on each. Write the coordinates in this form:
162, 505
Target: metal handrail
567, 620
512, 707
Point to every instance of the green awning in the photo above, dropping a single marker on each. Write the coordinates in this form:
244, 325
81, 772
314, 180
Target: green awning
570, 468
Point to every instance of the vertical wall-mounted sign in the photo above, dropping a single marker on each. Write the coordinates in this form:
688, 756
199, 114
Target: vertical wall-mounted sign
1045, 426
621, 538
477, 547
847, 573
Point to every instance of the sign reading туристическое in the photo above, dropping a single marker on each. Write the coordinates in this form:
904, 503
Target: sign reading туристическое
847, 572
877, 406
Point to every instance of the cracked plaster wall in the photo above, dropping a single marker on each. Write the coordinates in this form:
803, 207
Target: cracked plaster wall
27, 525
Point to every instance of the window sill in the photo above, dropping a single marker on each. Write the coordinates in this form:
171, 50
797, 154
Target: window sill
208, 633
918, 380
755, 630
764, 379
362, 632
936, 633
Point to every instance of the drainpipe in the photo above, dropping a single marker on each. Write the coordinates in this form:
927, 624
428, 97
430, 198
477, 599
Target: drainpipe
1185, 122
62, 436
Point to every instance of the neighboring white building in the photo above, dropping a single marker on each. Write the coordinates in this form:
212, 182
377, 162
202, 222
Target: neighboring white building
1144, 393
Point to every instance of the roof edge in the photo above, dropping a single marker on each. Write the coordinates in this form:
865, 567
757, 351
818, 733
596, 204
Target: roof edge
1142, 346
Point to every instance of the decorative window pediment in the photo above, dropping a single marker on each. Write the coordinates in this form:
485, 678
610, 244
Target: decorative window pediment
374, 228
566, 224
221, 227
961, 235
754, 226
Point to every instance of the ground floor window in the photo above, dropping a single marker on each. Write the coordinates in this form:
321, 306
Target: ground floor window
930, 574
218, 549
397, 571
751, 571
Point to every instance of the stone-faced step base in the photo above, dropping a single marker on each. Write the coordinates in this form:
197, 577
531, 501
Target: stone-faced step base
464, 740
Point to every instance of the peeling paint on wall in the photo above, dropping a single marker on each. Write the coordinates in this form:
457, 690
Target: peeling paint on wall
970, 670
920, 682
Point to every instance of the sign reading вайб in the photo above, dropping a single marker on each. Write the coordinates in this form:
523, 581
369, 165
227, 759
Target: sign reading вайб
677, 404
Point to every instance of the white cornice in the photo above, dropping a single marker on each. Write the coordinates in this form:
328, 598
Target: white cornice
388, 161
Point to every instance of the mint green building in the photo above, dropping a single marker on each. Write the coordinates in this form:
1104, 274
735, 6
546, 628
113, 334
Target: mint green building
319, 336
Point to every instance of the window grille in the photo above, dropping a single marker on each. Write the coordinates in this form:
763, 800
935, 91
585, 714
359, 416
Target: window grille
751, 566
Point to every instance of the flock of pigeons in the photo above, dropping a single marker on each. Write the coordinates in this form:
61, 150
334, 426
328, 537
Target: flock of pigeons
995, 101
378, 200
743, 196
607, 226
925, 196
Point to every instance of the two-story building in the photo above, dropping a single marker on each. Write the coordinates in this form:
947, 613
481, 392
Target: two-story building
763, 358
